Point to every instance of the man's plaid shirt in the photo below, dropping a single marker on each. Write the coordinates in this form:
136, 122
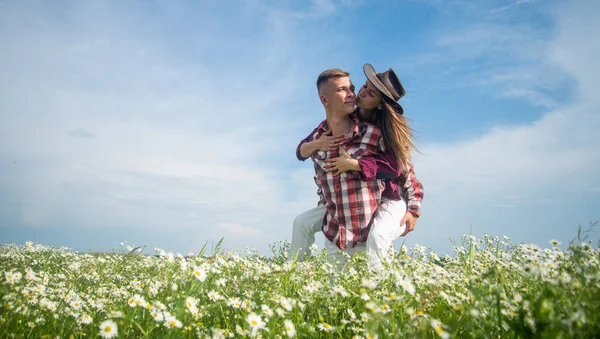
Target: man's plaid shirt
350, 201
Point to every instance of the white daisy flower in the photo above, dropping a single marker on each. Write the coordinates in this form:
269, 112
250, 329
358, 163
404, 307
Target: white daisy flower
256, 323
340, 290
290, 330
85, 319
267, 310
326, 327
439, 329
159, 305
190, 302
406, 284
172, 322
115, 314
108, 329
200, 273
235, 302
285, 303
214, 296
157, 315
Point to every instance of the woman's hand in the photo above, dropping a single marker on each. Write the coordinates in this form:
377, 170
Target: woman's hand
328, 142
342, 163
410, 220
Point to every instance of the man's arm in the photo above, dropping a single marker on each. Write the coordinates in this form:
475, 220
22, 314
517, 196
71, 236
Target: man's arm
306, 149
301, 151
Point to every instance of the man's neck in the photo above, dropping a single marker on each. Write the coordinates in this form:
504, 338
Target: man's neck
339, 123
365, 114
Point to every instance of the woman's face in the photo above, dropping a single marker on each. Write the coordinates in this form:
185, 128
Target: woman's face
368, 96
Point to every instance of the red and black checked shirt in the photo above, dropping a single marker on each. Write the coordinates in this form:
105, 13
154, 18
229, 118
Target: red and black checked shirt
350, 201
412, 191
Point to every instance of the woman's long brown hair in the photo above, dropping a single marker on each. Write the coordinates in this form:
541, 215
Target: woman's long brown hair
396, 131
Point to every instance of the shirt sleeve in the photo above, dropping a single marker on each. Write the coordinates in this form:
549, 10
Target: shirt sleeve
307, 139
412, 191
381, 165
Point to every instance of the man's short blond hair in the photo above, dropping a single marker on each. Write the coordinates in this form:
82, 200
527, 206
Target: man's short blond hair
330, 74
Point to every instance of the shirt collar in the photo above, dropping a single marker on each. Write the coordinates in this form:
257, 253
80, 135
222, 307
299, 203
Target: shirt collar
359, 127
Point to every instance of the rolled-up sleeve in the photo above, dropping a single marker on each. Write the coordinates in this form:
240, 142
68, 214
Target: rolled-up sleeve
412, 191
379, 165
307, 139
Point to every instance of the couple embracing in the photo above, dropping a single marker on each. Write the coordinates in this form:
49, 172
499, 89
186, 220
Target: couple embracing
368, 193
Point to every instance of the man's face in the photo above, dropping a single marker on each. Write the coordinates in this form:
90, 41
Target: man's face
368, 96
338, 95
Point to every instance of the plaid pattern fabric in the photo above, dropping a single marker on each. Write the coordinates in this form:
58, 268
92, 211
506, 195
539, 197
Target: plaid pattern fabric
412, 191
398, 183
351, 202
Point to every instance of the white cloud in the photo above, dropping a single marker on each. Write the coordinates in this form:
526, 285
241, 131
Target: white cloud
323, 6
239, 230
520, 180
143, 124
509, 6
105, 126
505, 54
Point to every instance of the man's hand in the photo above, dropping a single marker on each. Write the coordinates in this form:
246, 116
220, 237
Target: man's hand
410, 220
328, 142
342, 163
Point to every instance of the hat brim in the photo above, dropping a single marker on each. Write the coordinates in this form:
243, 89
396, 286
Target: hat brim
399, 107
372, 76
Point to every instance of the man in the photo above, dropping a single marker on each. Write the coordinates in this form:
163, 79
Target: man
347, 203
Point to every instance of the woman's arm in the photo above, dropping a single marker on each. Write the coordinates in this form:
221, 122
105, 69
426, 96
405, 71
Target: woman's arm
379, 165
326, 142
412, 191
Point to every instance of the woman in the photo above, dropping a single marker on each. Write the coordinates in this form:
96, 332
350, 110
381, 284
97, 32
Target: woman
377, 103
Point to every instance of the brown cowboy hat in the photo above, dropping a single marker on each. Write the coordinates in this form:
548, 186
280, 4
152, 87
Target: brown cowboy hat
387, 83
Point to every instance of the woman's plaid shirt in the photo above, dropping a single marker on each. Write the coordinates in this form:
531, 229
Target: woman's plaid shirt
350, 201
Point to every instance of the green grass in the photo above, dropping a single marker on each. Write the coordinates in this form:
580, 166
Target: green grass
487, 289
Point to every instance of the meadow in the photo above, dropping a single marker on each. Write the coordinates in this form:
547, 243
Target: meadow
489, 288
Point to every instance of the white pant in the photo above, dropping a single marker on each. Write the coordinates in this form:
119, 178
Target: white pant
385, 229
306, 225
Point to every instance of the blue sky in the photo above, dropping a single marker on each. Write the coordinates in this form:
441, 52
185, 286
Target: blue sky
173, 124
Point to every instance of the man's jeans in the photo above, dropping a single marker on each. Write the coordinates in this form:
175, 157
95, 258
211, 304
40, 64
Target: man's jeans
385, 229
